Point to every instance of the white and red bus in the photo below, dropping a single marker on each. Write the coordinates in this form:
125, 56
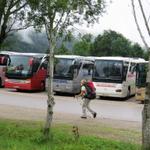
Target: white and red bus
115, 76
3, 64
26, 71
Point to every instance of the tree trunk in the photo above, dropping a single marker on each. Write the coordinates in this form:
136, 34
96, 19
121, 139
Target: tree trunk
50, 101
146, 115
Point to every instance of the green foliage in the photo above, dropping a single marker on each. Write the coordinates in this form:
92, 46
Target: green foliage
111, 43
58, 15
13, 17
20, 135
83, 46
62, 50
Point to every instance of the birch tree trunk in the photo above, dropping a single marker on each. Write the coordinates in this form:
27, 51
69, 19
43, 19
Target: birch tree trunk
146, 115
146, 109
50, 100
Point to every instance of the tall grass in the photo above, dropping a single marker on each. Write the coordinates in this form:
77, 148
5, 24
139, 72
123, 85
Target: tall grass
24, 135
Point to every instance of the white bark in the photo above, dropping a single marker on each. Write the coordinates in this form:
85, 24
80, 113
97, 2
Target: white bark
137, 25
50, 100
146, 116
146, 109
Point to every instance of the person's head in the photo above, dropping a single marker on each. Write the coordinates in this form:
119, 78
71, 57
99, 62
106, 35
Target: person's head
83, 82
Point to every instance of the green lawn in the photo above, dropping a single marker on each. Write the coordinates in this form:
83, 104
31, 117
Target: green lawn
25, 135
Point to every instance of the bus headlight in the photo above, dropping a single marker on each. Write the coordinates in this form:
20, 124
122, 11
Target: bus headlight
27, 81
6, 80
68, 87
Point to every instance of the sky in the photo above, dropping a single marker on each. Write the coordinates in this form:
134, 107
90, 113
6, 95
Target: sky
119, 17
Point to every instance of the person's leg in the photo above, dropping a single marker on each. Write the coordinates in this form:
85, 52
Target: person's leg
89, 109
84, 106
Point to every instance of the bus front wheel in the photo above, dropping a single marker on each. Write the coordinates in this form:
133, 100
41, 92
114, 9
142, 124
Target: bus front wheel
42, 86
128, 93
0, 82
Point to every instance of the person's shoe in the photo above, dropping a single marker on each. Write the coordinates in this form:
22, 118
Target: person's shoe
94, 115
83, 117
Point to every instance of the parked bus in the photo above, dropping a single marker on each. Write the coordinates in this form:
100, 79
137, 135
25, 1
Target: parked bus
3, 64
26, 71
115, 76
142, 69
69, 70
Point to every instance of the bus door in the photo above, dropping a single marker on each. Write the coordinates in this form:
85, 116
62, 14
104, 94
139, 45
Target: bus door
87, 71
141, 81
83, 71
131, 79
3, 64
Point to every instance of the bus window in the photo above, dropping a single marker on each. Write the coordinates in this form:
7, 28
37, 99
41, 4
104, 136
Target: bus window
132, 68
3, 60
108, 70
44, 65
87, 69
35, 65
141, 75
63, 68
142, 69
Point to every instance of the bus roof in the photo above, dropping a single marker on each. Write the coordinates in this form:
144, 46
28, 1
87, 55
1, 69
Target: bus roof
23, 54
118, 58
68, 56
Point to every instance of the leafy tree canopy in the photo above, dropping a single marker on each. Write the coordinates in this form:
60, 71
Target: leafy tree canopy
83, 46
111, 43
13, 17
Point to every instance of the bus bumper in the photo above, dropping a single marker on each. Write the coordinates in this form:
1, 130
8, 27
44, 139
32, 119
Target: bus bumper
18, 84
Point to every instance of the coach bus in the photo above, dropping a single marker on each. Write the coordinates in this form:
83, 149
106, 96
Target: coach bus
141, 75
26, 71
3, 64
69, 70
115, 76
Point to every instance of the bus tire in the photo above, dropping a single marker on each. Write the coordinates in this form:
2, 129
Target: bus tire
128, 93
43, 86
0, 82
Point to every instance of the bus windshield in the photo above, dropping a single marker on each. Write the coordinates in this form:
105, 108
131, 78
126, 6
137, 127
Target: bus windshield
21, 66
63, 68
108, 71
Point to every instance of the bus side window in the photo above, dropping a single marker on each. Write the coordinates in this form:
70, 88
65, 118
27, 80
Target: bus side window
3, 60
132, 68
76, 68
87, 69
125, 69
35, 66
44, 65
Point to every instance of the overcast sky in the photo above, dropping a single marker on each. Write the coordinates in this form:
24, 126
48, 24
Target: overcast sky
119, 17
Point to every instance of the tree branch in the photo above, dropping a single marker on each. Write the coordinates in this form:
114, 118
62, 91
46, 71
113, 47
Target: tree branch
146, 23
18, 8
138, 27
18, 29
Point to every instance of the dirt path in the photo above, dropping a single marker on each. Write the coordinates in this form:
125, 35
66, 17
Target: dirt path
121, 130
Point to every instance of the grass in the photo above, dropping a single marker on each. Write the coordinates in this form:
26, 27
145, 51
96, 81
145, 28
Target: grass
25, 135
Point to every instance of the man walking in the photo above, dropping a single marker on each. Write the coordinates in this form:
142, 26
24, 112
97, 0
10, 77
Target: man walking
85, 94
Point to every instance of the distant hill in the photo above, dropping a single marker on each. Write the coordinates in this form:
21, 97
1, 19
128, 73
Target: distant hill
34, 42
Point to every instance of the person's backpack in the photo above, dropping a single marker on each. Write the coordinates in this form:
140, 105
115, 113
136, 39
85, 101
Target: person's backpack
90, 89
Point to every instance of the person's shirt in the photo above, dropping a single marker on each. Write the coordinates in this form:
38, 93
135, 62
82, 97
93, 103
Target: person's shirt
83, 90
